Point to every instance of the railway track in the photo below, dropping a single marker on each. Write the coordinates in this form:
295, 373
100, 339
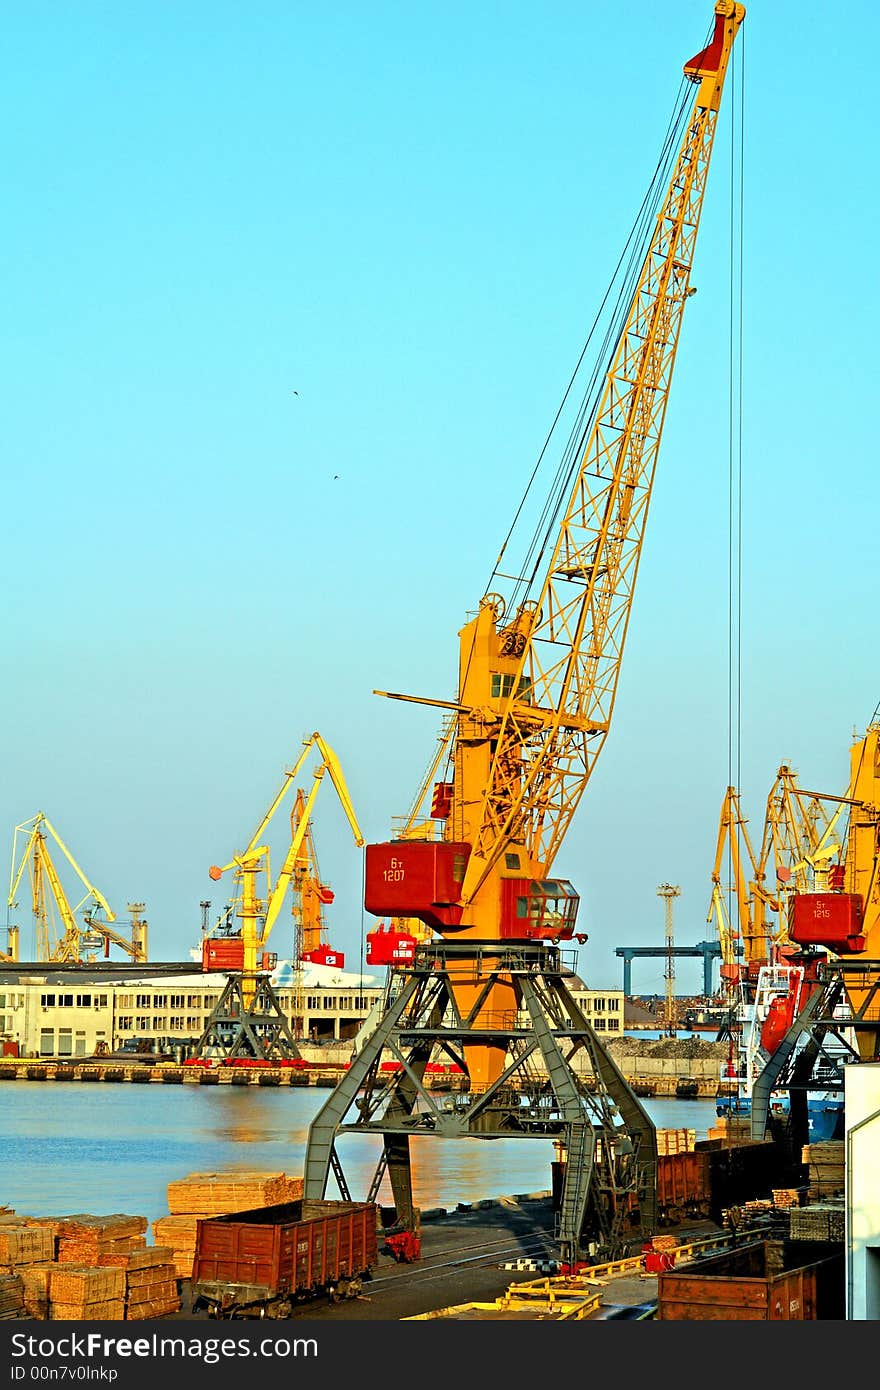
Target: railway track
443, 1263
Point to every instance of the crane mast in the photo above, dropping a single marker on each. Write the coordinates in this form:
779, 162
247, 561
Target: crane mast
537, 685
521, 770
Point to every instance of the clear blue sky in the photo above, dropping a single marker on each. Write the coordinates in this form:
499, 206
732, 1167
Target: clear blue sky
408, 214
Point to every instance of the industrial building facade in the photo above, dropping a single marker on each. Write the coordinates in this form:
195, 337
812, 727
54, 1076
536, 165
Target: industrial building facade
53, 1012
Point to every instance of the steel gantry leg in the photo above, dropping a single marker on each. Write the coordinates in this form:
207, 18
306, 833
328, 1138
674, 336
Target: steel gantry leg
325, 1125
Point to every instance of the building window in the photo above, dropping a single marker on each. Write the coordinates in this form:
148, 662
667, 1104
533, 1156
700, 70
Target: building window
124, 1024
329, 1002
177, 1001
47, 1001
65, 1042
599, 1005
142, 1024
193, 1025
160, 1001
47, 1042
176, 1022
313, 1002
599, 1025
65, 1001
83, 1001
160, 1024
142, 1001
193, 1001
101, 1001
208, 1002
125, 1001
614, 1005
80, 1047
2, 1001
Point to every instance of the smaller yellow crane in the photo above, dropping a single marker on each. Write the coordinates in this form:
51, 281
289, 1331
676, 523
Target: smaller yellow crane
248, 1020
259, 914
59, 936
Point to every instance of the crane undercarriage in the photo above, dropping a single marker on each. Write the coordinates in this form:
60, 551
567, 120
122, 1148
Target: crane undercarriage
559, 1082
838, 1025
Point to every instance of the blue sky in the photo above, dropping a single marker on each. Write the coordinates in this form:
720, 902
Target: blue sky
408, 215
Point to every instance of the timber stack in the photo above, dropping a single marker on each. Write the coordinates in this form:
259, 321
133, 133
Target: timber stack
201, 1195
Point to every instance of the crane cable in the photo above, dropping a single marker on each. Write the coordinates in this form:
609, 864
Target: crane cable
632, 258
735, 453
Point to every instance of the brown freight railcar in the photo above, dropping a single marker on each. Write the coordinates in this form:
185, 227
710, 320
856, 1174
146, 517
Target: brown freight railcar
259, 1263
764, 1281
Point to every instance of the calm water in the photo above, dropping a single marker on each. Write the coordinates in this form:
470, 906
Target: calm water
115, 1148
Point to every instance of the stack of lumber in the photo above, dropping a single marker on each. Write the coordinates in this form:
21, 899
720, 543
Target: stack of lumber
201, 1195
35, 1283
675, 1141
818, 1221
11, 1298
82, 1294
218, 1194
825, 1165
787, 1196
150, 1283
24, 1245
735, 1129
94, 1240
178, 1233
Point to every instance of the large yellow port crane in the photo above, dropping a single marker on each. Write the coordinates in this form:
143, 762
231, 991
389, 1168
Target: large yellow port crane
833, 922
538, 672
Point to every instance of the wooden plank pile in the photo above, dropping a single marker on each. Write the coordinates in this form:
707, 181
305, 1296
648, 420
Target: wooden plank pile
86, 1294
24, 1245
97, 1240
201, 1195
83, 1268
218, 1194
785, 1197
734, 1129
825, 1167
11, 1298
35, 1282
675, 1141
150, 1283
819, 1221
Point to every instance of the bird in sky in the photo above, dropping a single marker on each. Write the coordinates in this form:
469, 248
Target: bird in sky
295, 393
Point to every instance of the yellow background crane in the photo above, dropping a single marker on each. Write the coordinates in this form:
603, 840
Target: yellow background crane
258, 913
59, 936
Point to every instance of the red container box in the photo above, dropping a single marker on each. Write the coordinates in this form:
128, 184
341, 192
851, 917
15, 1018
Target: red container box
416, 878
827, 919
222, 953
388, 947
325, 955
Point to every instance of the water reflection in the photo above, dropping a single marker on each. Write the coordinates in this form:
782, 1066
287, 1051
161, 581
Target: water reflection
115, 1148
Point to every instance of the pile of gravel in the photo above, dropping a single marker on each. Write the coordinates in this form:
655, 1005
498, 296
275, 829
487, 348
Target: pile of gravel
685, 1048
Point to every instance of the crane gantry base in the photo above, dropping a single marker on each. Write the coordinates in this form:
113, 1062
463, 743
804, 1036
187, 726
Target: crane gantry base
806, 1059
248, 1021
558, 1083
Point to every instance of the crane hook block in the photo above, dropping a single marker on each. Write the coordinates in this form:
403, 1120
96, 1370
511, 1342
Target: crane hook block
215, 872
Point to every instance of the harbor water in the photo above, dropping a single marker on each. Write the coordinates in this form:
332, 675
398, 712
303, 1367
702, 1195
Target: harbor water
105, 1148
